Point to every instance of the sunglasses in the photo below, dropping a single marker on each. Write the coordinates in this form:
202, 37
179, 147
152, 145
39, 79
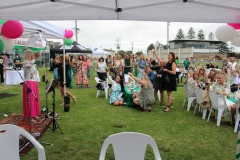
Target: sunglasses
202, 69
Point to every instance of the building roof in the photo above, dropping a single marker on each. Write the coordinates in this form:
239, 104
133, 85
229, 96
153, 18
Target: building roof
109, 50
194, 40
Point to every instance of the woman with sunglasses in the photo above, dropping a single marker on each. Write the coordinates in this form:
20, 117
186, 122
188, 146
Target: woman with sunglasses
202, 79
224, 70
212, 76
222, 87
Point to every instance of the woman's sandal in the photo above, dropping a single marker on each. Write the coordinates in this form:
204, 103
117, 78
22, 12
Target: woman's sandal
167, 109
162, 103
74, 100
171, 106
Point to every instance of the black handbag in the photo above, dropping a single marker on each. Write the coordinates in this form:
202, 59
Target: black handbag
167, 79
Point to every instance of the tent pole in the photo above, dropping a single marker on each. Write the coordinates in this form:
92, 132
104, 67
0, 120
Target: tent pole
64, 68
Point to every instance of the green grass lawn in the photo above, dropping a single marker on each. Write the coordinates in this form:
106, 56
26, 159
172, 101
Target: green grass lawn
179, 134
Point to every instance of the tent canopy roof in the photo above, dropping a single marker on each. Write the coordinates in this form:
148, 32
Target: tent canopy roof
99, 50
214, 11
74, 48
48, 30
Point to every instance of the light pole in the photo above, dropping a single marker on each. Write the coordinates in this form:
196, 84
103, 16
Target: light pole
76, 30
132, 47
155, 48
118, 44
168, 24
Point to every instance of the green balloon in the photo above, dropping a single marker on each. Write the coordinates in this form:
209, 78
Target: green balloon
68, 41
2, 21
1, 45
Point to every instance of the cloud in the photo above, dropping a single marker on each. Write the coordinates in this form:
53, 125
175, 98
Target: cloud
140, 33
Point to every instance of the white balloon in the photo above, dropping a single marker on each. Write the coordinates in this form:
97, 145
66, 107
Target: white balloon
238, 32
8, 44
236, 41
225, 33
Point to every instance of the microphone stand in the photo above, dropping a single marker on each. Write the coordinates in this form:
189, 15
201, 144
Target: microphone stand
28, 97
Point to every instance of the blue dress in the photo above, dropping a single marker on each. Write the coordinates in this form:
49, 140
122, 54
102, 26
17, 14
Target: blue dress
141, 64
115, 94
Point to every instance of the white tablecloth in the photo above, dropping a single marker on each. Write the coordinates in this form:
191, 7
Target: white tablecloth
13, 78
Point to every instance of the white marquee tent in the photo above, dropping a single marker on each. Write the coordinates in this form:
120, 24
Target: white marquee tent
100, 51
209, 11
48, 30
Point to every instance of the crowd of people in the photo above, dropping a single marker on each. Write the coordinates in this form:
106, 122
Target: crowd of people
151, 76
224, 81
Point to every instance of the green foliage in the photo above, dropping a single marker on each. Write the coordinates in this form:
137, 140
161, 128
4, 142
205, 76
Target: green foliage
224, 48
150, 47
211, 36
158, 45
165, 46
201, 35
191, 33
139, 53
122, 52
180, 34
91, 120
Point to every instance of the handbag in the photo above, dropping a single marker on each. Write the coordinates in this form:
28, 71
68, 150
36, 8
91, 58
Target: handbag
167, 79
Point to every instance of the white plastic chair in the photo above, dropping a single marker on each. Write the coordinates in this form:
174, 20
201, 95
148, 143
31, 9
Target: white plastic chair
105, 86
9, 142
219, 104
158, 94
126, 78
129, 146
188, 98
237, 120
199, 93
237, 117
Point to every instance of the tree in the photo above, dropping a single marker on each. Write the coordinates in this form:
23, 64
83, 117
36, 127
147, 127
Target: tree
191, 33
211, 36
200, 35
165, 46
150, 47
122, 52
139, 53
232, 49
159, 45
223, 48
180, 34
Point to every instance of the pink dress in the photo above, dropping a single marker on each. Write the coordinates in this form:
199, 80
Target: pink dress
81, 73
30, 75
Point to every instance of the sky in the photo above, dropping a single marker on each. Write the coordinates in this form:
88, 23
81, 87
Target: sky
104, 34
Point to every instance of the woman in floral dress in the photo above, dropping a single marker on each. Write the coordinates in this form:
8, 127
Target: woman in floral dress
81, 72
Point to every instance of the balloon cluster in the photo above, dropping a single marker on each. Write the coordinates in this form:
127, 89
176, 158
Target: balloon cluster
68, 35
229, 32
9, 30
